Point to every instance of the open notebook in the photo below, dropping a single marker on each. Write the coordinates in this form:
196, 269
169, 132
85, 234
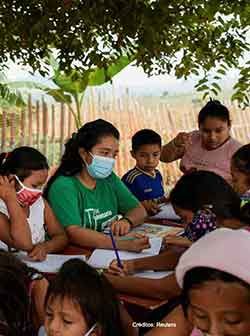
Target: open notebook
52, 263
101, 258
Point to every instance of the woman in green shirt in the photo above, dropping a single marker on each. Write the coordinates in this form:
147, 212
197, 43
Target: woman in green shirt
85, 194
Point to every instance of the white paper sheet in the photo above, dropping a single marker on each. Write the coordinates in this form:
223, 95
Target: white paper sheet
153, 274
167, 212
52, 263
101, 258
3, 246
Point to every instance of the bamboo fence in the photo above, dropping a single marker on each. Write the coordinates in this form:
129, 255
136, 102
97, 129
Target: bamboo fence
47, 126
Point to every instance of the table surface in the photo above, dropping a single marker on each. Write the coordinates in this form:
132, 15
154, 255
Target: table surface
145, 303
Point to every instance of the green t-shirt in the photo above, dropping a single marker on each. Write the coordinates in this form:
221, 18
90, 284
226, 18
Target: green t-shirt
75, 204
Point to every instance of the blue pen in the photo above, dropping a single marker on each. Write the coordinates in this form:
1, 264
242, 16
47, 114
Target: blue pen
119, 263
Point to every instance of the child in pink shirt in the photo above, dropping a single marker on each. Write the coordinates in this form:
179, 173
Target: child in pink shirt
217, 160
210, 148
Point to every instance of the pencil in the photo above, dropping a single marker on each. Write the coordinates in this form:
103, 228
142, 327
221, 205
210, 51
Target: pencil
119, 263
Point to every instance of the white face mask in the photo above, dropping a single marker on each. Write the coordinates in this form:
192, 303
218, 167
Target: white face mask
90, 330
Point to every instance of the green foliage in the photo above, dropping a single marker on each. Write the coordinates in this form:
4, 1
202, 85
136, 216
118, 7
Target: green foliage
71, 85
188, 37
9, 97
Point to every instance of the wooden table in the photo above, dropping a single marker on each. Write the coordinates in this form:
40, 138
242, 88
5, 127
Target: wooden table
138, 307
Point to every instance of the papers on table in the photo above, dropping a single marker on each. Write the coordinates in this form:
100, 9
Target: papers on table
101, 258
166, 212
153, 274
52, 263
155, 230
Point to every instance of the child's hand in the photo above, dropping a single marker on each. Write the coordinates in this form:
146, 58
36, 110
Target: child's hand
116, 270
7, 188
176, 240
151, 207
120, 227
134, 245
183, 139
38, 253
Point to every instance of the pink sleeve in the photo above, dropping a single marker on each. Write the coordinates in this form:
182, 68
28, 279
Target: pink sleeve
235, 145
196, 332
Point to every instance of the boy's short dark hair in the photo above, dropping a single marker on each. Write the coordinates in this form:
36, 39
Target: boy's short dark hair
145, 137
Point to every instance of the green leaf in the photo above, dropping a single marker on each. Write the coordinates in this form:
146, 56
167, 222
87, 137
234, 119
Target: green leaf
201, 81
216, 86
60, 96
202, 88
74, 83
206, 94
221, 71
101, 76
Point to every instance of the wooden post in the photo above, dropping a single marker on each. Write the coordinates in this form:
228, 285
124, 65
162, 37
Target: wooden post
62, 123
45, 128
38, 125
53, 133
4, 124
30, 121
22, 126
69, 123
12, 129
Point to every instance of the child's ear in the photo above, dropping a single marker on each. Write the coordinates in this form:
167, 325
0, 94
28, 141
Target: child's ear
132, 154
83, 154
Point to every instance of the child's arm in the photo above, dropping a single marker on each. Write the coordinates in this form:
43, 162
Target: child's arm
176, 148
14, 231
58, 238
166, 260
132, 218
177, 240
151, 207
165, 288
93, 239
181, 326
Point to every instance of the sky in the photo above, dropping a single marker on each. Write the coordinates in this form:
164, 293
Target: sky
136, 80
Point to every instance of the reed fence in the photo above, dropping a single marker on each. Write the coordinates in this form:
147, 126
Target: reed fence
47, 126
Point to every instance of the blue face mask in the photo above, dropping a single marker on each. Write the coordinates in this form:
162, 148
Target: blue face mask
100, 167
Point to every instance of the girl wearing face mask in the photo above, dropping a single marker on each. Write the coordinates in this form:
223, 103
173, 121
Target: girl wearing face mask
25, 217
81, 302
85, 194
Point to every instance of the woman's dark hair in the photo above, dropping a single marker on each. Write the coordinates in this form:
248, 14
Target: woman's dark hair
200, 188
14, 296
87, 137
197, 276
21, 161
241, 159
97, 300
214, 109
